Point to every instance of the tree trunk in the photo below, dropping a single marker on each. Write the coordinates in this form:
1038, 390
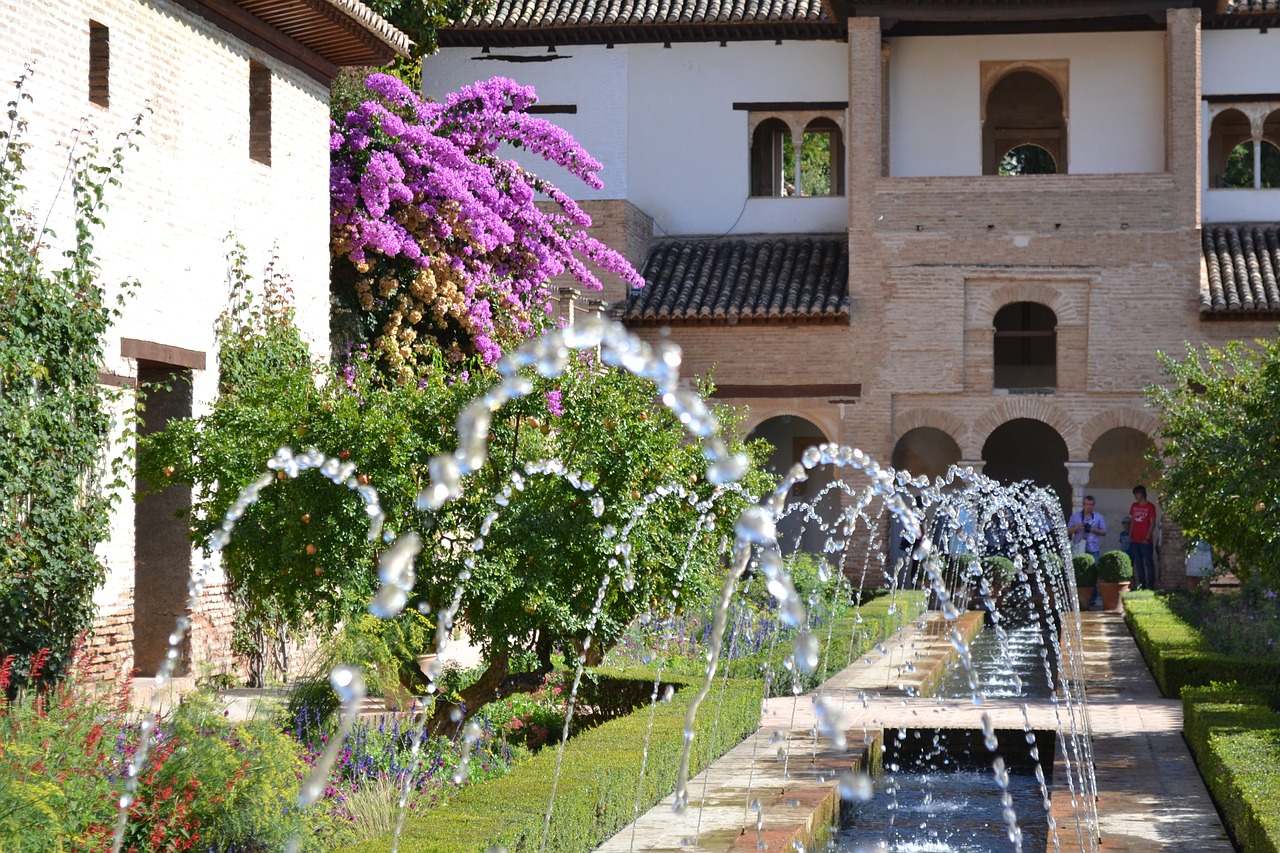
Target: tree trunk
486, 689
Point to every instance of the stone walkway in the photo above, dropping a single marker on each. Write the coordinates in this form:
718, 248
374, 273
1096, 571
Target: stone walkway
1149, 793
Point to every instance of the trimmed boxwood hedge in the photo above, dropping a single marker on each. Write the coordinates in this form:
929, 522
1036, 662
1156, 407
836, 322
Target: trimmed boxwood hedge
1177, 653
600, 776
1234, 734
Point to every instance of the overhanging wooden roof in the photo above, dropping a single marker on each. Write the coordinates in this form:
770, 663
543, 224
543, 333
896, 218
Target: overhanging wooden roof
316, 36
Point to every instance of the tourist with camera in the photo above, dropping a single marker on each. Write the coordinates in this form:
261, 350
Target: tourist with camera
1086, 527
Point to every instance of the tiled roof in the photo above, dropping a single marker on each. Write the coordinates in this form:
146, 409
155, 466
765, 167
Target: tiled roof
1243, 265
515, 22
747, 280
1249, 7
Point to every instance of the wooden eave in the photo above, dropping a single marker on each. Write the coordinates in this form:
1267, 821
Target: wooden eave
540, 36
315, 36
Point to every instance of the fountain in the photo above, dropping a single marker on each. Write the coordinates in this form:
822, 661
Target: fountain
954, 525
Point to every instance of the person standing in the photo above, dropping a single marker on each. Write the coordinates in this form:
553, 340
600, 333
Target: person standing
1142, 532
1087, 526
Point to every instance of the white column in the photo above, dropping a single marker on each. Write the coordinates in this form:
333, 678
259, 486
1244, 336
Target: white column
1078, 477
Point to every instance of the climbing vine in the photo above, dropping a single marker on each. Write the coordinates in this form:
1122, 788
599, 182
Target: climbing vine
54, 418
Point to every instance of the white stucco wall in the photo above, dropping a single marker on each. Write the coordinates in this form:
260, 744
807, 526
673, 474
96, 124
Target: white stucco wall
689, 147
190, 184
662, 122
1115, 105
592, 78
1239, 62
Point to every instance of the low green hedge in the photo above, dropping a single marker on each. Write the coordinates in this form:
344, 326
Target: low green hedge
1234, 734
851, 636
599, 778
1179, 656
596, 794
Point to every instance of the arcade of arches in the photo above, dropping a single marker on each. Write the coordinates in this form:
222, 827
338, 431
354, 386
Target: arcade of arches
1017, 450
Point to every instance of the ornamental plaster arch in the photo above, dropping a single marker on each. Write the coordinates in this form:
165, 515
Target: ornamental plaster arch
1056, 71
931, 418
1067, 305
1032, 407
1117, 418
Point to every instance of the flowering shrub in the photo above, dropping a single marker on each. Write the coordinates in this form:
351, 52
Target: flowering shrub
437, 242
368, 777
208, 784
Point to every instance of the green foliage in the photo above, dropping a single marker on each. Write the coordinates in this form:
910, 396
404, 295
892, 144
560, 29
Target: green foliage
300, 555
1027, 160
598, 784
999, 570
1086, 570
62, 756
387, 651
1245, 623
54, 420
1234, 734
1218, 450
1115, 567
1177, 652
1238, 173
420, 20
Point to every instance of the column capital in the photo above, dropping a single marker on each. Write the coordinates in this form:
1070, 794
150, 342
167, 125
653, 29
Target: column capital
1078, 473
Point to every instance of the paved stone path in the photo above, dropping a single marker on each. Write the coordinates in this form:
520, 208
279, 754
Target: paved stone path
1149, 794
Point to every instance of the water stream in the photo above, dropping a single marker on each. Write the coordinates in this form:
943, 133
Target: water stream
952, 524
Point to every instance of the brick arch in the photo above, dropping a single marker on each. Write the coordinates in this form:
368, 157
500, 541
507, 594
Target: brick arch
938, 419
1034, 407
1117, 418
1065, 306
759, 413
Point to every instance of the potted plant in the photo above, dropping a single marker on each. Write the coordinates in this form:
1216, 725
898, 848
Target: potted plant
1086, 569
1115, 571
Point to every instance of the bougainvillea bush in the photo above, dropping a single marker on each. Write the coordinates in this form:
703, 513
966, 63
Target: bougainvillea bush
439, 244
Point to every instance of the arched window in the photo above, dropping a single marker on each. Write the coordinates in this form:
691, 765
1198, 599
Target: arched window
822, 159
1233, 163
1024, 111
771, 155
775, 170
1230, 131
1026, 347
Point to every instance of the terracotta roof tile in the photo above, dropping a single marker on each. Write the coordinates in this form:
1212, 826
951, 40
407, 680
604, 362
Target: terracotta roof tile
1243, 265
589, 21
1249, 7
747, 280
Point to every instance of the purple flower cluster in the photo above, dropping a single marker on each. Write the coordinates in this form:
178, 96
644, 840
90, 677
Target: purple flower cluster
445, 239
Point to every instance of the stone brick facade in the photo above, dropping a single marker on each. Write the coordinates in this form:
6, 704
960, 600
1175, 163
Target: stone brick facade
1116, 257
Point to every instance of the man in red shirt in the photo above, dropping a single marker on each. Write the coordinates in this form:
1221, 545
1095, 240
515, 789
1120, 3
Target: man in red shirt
1142, 532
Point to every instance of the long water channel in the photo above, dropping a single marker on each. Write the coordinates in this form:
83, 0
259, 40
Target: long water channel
938, 793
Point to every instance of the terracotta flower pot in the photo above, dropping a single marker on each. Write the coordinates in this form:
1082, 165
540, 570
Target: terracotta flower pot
1110, 593
1086, 596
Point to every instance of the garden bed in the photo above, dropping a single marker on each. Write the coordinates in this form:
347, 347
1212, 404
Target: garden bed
1178, 653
